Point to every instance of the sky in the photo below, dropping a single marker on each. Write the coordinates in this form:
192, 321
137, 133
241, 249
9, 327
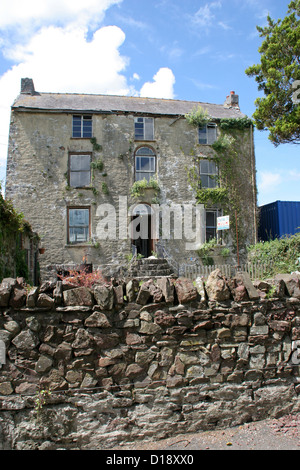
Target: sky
194, 50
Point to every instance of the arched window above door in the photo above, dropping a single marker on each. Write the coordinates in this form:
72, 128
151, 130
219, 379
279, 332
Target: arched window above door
145, 163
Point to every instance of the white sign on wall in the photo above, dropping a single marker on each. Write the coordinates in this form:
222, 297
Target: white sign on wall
223, 223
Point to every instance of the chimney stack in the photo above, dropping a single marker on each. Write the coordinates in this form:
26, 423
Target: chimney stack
27, 86
232, 101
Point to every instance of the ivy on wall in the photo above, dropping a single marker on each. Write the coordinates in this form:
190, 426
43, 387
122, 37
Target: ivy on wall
226, 194
12, 226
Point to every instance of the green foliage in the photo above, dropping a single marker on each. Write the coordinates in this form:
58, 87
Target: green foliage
41, 399
139, 187
10, 219
225, 252
209, 196
95, 191
205, 251
131, 255
275, 75
223, 143
105, 188
21, 265
12, 226
235, 123
97, 165
198, 117
279, 254
226, 195
96, 147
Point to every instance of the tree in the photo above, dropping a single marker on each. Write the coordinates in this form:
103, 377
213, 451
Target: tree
279, 71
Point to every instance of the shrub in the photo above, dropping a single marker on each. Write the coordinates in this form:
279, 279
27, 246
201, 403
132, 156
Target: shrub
84, 278
280, 254
198, 117
139, 186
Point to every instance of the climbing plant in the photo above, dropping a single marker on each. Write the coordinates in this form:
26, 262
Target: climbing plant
12, 226
226, 194
99, 166
235, 123
198, 117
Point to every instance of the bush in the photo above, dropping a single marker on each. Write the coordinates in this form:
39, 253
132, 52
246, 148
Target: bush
280, 254
198, 117
79, 278
139, 186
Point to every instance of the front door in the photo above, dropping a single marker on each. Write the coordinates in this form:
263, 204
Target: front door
141, 230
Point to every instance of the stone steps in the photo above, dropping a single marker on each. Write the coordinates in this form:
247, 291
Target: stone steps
150, 267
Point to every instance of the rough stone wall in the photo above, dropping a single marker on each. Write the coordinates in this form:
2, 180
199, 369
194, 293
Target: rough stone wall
39, 148
169, 357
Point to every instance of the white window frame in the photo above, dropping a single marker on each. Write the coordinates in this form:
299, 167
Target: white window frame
82, 130
143, 128
147, 174
211, 175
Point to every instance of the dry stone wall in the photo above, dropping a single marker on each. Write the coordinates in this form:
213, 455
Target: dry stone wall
92, 368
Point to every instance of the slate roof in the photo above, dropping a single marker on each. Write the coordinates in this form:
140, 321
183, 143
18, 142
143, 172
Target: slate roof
85, 103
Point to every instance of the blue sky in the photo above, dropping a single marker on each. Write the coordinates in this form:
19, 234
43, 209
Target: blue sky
178, 49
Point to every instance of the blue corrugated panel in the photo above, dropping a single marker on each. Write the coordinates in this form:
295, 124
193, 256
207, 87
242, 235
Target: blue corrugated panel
278, 219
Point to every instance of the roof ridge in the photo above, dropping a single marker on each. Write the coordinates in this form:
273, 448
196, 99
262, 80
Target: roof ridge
128, 97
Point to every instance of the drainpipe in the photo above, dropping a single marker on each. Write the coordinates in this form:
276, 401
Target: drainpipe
252, 157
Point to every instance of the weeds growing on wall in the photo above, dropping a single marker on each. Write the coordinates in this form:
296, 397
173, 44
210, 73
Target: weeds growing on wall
198, 117
280, 255
83, 278
206, 250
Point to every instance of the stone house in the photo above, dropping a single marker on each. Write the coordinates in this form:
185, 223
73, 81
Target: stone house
101, 177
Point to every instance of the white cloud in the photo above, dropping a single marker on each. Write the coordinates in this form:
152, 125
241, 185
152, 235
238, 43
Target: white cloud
268, 181
48, 41
201, 85
204, 17
162, 85
174, 52
63, 60
223, 25
37, 12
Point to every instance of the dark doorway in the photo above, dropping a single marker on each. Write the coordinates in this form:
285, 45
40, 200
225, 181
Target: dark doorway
142, 229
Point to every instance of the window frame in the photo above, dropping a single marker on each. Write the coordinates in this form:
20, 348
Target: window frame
211, 125
144, 136
69, 208
78, 154
212, 177
82, 117
153, 157
217, 235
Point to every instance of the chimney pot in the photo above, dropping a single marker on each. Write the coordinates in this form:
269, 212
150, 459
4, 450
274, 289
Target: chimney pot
232, 100
27, 86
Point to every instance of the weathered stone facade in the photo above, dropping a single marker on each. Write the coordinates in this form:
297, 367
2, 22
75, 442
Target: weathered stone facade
122, 362
38, 169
